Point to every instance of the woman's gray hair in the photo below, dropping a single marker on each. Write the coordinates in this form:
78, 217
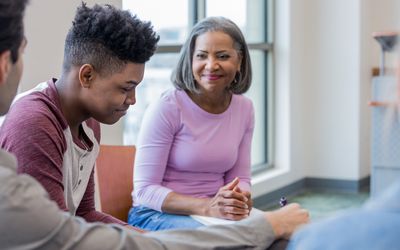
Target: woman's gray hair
182, 76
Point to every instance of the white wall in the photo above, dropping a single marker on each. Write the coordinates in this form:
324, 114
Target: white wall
337, 73
324, 54
46, 25
331, 68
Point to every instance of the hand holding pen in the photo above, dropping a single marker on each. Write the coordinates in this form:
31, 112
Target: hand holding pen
287, 219
283, 201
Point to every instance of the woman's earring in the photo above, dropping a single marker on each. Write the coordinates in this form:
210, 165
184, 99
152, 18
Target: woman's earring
238, 78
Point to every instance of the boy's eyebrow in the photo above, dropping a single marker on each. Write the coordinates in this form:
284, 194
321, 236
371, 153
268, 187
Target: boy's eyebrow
132, 82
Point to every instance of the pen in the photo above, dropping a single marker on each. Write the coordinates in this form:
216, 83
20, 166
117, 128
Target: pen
283, 201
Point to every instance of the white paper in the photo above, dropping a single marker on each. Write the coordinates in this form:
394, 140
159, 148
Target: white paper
217, 221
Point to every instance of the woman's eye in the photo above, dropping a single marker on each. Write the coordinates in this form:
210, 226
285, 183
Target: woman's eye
223, 56
201, 56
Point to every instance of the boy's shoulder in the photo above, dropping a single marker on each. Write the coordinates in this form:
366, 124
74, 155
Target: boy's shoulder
37, 106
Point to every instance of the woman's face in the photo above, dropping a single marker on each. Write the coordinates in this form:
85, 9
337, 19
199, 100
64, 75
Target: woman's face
215, 61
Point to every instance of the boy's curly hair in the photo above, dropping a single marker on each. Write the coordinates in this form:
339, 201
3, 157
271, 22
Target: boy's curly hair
108, 38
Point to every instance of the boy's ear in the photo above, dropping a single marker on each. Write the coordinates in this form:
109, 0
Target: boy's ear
86, 75
5, 64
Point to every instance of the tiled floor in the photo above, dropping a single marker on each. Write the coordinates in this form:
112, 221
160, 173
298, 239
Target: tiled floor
321, 204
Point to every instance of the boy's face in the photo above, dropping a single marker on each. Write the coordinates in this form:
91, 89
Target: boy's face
10, 75
108, 98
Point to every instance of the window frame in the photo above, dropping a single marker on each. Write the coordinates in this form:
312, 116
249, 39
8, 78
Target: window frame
197, 11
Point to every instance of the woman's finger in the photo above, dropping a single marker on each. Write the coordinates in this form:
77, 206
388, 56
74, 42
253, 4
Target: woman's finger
231, 185
230, 194
235, 203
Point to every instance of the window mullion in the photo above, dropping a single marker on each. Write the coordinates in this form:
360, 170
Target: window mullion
260, 46
201, 9
173, 48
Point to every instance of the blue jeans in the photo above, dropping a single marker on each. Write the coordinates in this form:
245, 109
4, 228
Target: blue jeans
152, 220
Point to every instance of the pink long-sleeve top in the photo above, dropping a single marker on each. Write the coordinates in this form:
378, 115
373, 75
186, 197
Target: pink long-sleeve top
183, 148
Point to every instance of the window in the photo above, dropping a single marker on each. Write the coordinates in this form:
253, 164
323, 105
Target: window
173, 24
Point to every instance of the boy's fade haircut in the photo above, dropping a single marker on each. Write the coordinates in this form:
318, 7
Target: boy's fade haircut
12, 26
107, 38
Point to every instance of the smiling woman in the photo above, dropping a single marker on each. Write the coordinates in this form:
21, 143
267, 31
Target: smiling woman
254, 18
193, 152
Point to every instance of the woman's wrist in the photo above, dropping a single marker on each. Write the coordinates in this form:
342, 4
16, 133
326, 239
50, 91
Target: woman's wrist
185, 205
203, 207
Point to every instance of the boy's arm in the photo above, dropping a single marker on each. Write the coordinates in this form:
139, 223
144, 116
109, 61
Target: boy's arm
35, 136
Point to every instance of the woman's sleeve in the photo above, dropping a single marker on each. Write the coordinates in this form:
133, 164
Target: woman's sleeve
242, 167
154, 143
